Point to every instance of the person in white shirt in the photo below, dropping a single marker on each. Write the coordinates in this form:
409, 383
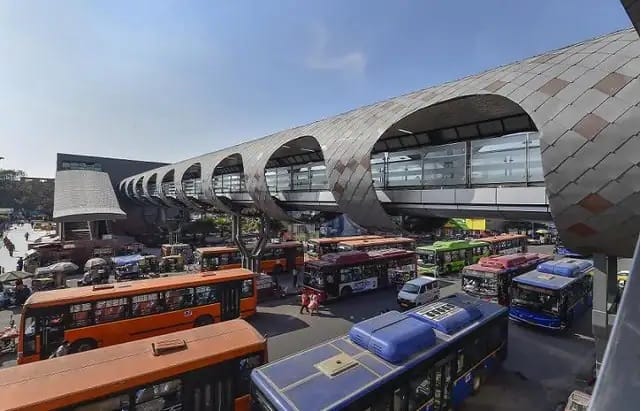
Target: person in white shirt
62, 350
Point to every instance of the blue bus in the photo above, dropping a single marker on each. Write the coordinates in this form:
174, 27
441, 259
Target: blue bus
430, 358
553, 295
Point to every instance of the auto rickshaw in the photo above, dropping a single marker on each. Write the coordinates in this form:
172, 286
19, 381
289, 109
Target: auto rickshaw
168, 250
31, 261
149, 264
127, 267
43, 280
172, 263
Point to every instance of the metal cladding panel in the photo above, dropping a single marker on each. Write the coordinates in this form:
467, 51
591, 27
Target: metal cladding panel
584, 101
83, 195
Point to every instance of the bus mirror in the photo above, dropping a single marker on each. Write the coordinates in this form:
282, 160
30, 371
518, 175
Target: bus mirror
165, 346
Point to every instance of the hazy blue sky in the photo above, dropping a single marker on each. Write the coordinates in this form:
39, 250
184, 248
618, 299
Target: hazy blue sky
165, 80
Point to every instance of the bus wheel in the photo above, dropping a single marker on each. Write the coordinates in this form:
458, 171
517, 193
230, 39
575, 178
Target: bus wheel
346, 292
204, 320
83, 345
476, 383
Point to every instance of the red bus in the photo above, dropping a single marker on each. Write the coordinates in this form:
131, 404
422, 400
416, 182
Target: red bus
277, 257
316, 247
490, 278
505, 244
343, 274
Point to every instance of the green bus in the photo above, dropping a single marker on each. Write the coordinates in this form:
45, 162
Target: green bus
449, 257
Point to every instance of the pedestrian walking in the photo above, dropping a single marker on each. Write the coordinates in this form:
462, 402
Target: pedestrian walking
313, 305
20, 264
62, 350
26, 236
304, 302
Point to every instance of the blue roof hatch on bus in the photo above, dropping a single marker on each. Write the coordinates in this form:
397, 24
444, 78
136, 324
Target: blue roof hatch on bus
393, 336
566, 267
544, 280
126, 259
448, 316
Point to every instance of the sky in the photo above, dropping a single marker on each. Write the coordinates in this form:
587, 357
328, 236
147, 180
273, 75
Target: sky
168, 80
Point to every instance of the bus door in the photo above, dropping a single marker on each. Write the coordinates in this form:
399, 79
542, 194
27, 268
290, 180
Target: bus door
290, 257
210, 389
443, 384
50, 330
230, 301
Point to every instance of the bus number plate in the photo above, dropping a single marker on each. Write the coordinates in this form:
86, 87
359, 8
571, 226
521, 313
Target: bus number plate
187, 313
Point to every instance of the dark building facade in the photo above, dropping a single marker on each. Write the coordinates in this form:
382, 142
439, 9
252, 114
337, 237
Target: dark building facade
140, 219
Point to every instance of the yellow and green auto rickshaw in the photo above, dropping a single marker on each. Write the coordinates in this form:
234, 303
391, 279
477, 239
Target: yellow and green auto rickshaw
172, 263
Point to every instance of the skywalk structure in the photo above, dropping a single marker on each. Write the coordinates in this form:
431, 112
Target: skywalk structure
555, 136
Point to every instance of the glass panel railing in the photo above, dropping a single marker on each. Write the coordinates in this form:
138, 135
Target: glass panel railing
404, 173
192, 187
318, 178
535, 166
169, 189
444, 165
153, 189
499, 160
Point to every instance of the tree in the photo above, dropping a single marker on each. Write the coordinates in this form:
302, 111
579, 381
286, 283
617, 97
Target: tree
32, 196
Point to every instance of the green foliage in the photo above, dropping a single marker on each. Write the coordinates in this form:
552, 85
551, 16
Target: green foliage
31, 196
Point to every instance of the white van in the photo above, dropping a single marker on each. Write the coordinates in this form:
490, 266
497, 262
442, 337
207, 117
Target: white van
421, 290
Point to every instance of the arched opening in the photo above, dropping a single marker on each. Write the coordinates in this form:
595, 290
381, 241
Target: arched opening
138, 190
469, 142
228, 181
167, 185
191, 182
152, 187
297, 165
130, 189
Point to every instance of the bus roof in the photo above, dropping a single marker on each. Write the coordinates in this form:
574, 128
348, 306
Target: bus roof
64, 380
114, 290
502, 237
330, 240
378, 241
310, 380
355, 257
543, 280
451, 245
233, 248
566, 267
217, 250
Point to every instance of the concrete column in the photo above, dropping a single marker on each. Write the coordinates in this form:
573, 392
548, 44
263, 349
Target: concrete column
605, 289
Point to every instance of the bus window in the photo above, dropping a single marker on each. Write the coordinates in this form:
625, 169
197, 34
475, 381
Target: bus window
357, 274
80, 315
145, 304
246, 365
206, 294
163, 396
346, 275
420, 390
110, 310
29, 336
247, 289
179, 299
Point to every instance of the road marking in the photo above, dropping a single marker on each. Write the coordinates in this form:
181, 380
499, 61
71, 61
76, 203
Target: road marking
584, 337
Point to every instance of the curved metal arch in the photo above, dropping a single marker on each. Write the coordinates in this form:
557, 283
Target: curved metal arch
179, 171
207, 169
145, 189
161, 173
261, 151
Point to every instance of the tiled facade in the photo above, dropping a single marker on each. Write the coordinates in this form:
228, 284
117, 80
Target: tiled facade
583, 99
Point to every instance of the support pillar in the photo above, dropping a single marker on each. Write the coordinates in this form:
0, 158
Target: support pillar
263, 238
245, 260
605, 289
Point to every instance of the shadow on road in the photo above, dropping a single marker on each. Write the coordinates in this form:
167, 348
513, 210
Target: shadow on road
273, 324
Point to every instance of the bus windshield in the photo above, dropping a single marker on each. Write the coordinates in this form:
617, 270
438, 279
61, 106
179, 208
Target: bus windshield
314, 278
410, 288
427, 258
480, 285
535, 299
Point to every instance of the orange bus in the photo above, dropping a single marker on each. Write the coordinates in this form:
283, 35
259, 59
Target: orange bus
505, 244
206, 368
374, 244
316, 247
109, 314
277, 257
